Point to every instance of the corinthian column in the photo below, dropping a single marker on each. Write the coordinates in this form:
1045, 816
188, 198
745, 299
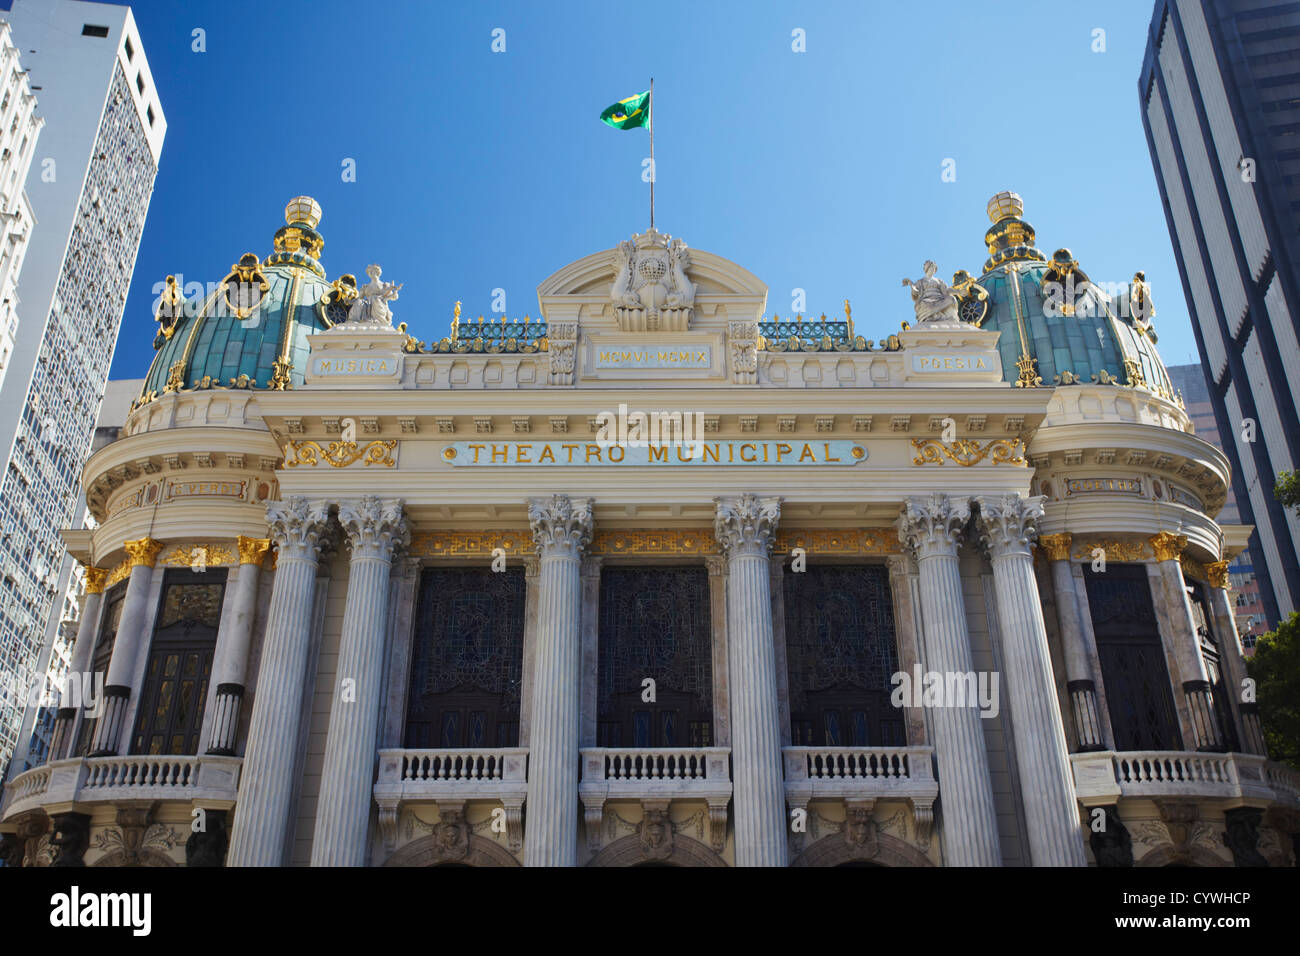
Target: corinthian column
1179, 633
1008, 524
231, 663
931, 526
374, 528
744, 527
1078, 673
73, 699
561, 529
266, 782
126, 646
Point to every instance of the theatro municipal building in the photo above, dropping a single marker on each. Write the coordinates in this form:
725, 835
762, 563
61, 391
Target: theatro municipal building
653, 577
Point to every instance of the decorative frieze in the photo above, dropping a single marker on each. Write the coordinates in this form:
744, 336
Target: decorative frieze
340, 454
968, 451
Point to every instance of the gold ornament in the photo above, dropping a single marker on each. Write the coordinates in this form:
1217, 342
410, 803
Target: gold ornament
252, 550
340, 454
95, 578
142, 552
968, 451
1167, 546
1056, 546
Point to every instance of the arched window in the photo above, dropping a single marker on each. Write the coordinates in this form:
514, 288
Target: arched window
841, 652
655, 623
467, 659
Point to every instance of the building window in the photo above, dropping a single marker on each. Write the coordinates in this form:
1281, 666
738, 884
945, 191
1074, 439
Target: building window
842, 653
103, 653
149, 113
467, 659
139, 83
180, 662
90, 30
1133, 669
655, 623
130, 50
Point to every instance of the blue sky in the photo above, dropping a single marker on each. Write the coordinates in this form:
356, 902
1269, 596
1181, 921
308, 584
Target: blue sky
818, 170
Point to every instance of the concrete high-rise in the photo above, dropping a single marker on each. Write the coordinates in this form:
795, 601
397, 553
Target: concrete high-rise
89, 186
1220, 97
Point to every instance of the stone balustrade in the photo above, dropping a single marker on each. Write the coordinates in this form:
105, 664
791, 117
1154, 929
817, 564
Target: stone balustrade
451, 777
863, 773
656, 775
1102, 778
207, 781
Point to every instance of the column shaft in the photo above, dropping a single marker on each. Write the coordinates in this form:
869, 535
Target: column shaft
1078, 672
744, 527
231, 656
126, 646
61, 739
561, 529
931, 527
266, 781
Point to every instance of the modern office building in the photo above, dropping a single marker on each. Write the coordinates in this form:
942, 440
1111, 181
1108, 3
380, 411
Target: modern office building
1220, 99
20, 128
655, 579
89, 187
1252, 618
35, 734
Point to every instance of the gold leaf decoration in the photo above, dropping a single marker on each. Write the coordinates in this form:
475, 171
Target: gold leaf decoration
340, 454
968, 451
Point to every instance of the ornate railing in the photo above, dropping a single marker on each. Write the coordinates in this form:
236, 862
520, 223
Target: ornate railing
210, 781
656, 775
1104, 777
451, 776
866, 772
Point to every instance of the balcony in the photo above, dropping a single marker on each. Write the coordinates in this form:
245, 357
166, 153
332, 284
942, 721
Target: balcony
70, 785
863, 773
656, 774
1104, 777
451, 777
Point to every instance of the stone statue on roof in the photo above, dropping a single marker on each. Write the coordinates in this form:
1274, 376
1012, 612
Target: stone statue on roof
933, 299
371, 304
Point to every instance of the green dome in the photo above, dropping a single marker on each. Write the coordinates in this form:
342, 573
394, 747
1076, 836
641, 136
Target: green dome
251, 329
1071, 330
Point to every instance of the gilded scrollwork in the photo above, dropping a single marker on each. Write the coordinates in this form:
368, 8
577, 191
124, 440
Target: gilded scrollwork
968, 451
340, 454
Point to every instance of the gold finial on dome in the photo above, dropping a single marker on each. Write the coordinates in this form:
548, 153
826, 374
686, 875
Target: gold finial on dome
1006, 205
302, 210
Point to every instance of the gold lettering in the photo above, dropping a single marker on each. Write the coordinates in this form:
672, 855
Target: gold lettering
806, 453
658, 453
591, 449
616, 448
503, 451
828, 452
710, 450
547, 455
782, 449
477, 449
522, 452
570, 449
751, 448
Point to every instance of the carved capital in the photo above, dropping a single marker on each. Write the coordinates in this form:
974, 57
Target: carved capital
1008, 524
374, 526
901, 564
930, 525
252, 550
716, 564
1217, 574
561, 525
746, 524
1167, 546
297, 526
142, 552
1056, 546
95, 578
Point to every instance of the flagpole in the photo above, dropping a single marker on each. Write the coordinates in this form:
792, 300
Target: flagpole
654, 173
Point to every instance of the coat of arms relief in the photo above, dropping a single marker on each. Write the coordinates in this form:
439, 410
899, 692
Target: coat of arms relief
651, 292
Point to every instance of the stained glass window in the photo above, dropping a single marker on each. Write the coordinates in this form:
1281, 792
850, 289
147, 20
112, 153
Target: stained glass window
170, 717
841, 653
1133, 670
467, 659
655, 623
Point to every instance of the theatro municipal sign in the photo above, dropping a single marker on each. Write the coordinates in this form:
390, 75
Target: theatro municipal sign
726, 452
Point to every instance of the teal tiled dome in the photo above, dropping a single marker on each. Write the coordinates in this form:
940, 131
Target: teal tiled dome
251, 331
1070, 329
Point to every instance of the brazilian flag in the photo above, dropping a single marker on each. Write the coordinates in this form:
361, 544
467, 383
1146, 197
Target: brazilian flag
629, 113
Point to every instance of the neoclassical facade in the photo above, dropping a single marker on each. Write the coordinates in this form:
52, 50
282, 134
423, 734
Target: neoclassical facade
654, 579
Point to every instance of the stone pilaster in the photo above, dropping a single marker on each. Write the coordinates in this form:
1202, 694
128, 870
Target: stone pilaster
931, 527
1008, 525
126, 646
561, 529
904, 585
374, 528
231, 656
61, 737
717, 567
744, 527
1080, 684
1179, 633
266, 782
1225, 626
590, 572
